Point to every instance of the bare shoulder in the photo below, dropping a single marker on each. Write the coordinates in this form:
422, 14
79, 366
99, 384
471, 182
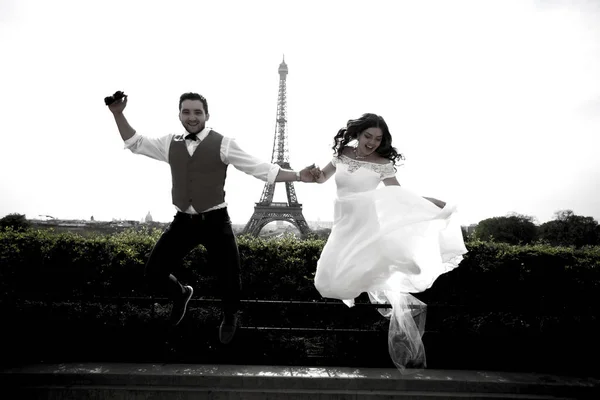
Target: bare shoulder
348, 151
381, 160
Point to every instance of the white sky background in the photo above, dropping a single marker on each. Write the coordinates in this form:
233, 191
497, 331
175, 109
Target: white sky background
495, 104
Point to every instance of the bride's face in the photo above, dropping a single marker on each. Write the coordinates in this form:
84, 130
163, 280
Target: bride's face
369, 140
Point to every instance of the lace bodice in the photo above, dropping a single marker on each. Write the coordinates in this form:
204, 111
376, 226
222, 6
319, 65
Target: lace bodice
355, 176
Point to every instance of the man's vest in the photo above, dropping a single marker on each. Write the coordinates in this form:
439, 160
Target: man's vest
199, 179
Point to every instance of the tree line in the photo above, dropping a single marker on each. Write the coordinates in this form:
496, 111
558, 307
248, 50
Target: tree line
566, 229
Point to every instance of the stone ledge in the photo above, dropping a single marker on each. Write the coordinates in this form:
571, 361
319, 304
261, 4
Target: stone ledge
183, 381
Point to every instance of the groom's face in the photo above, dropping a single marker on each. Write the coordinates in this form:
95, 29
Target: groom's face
192, 115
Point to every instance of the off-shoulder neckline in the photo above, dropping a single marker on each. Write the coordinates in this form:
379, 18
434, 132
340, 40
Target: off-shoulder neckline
362, 161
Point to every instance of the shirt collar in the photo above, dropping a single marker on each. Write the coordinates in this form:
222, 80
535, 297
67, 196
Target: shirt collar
202, 134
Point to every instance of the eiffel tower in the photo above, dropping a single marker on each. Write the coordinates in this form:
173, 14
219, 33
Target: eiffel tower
266, 210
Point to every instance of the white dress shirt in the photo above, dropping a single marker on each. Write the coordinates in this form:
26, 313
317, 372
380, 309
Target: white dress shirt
231, 153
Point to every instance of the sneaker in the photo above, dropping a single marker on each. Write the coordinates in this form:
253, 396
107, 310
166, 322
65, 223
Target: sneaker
228, 328
180, 305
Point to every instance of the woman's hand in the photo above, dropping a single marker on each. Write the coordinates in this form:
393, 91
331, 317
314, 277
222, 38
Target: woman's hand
317, 174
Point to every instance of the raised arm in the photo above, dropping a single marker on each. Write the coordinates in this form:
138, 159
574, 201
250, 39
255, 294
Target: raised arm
117, 108
156, 148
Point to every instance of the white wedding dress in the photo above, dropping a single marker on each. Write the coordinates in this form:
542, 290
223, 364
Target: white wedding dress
388, 242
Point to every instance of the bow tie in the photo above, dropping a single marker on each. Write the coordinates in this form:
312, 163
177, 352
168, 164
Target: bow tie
192, 136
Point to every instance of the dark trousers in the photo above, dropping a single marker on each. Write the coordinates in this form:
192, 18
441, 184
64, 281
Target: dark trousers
211, 229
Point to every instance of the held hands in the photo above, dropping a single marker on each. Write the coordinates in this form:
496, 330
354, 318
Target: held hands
306, 174
317, 174
117, 102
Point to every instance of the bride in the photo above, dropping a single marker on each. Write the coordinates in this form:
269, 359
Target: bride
388, 241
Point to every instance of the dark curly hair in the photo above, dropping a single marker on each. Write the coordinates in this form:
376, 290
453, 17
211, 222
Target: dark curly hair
355, 127
193, 96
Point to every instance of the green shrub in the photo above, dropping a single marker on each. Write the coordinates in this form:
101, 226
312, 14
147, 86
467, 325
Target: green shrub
530, 296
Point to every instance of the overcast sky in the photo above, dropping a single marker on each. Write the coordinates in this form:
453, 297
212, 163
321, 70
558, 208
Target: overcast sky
495, 104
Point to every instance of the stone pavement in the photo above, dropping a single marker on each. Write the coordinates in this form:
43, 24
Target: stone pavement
193, 381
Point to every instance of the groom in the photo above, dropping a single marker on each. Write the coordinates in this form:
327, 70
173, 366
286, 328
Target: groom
198, 161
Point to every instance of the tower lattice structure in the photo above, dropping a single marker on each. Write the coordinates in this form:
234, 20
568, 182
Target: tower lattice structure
266, 210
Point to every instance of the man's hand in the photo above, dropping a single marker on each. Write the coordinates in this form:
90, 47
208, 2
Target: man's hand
117, 102
306, 174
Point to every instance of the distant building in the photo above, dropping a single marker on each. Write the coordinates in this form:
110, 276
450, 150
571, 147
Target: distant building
318, 224
148, 218
43, 218
470, 229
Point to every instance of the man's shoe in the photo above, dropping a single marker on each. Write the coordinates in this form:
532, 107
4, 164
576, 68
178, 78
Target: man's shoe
228, 328
180, 305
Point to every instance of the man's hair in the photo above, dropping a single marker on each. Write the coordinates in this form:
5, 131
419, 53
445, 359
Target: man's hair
193, 96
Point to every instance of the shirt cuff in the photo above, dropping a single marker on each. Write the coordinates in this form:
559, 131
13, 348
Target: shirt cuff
273, 173
132, 140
